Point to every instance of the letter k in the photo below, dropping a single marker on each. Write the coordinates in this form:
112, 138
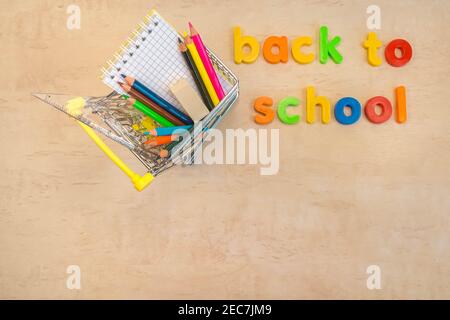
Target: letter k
328, 48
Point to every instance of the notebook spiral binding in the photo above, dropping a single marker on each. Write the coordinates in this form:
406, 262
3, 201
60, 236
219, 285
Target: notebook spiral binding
126, 44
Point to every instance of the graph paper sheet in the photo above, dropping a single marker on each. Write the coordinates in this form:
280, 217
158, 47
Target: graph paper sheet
153, 58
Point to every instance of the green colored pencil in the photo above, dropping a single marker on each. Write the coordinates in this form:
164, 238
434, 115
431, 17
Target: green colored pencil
149, 112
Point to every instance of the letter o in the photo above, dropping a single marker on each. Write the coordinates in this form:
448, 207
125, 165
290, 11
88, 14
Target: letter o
386, 108
353, 104
404, 47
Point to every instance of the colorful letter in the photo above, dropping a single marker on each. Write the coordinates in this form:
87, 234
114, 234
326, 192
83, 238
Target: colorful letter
386, 109
340, 115
297, 53
282, 44
282, 114
263, 106
328, 48
372, 44
241, 41
400, 95
312, 101
405, 49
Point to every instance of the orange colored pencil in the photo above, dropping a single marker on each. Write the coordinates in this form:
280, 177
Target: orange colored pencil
160, 140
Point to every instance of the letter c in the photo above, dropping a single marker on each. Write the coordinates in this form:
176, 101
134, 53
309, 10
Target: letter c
282, 114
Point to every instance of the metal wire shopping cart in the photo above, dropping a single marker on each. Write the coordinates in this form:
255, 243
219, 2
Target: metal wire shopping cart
111, 116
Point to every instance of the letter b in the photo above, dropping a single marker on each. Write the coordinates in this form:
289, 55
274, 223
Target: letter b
240, 42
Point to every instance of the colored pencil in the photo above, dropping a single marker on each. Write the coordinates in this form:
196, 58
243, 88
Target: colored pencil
164, 153
151, 104
157, 141
149, 112
138, 86
201, 69
206, 61
195, 74
166, 131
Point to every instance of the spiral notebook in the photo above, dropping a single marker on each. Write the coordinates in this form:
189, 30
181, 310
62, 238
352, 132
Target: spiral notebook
152, 56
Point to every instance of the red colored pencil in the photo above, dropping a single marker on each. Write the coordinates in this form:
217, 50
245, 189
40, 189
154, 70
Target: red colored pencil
206, 61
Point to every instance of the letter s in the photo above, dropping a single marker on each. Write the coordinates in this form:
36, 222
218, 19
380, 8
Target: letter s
263, 106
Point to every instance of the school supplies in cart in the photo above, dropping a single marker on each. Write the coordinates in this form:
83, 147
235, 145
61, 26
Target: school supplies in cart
152, 56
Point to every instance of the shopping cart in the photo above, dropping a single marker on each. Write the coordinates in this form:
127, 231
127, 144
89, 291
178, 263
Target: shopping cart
114, 118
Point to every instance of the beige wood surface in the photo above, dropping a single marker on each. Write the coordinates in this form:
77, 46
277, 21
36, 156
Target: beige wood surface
344, 198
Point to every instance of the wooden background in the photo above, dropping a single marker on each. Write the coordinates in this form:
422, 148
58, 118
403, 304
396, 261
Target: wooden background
344, 198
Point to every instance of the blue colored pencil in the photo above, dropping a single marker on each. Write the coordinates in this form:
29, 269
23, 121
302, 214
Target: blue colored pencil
167, 131
157, 99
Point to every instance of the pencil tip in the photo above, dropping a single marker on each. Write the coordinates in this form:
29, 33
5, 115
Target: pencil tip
123, 86
122, 75
192, 30
163, 153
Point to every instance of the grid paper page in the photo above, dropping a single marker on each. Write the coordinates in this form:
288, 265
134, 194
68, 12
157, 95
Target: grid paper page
154, 59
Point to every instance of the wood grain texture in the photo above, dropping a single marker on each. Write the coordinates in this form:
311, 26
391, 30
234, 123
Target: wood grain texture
344, 198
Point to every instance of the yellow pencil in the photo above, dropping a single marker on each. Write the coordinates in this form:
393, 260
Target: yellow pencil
201, 68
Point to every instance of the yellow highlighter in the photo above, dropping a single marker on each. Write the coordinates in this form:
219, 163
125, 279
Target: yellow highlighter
201, 69
74, 106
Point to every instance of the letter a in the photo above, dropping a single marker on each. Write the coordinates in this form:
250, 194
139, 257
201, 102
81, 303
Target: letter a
283, 48
374, 20
374, 280
74, 20
74, 280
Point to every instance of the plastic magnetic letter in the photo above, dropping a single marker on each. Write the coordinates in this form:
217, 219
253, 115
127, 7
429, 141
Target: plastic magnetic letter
298, 55
386, 109
283, 47
406, 52
263, 106
328, 48
282, 113
240, 42
351, 103
400, 96
312, 101
372, 44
